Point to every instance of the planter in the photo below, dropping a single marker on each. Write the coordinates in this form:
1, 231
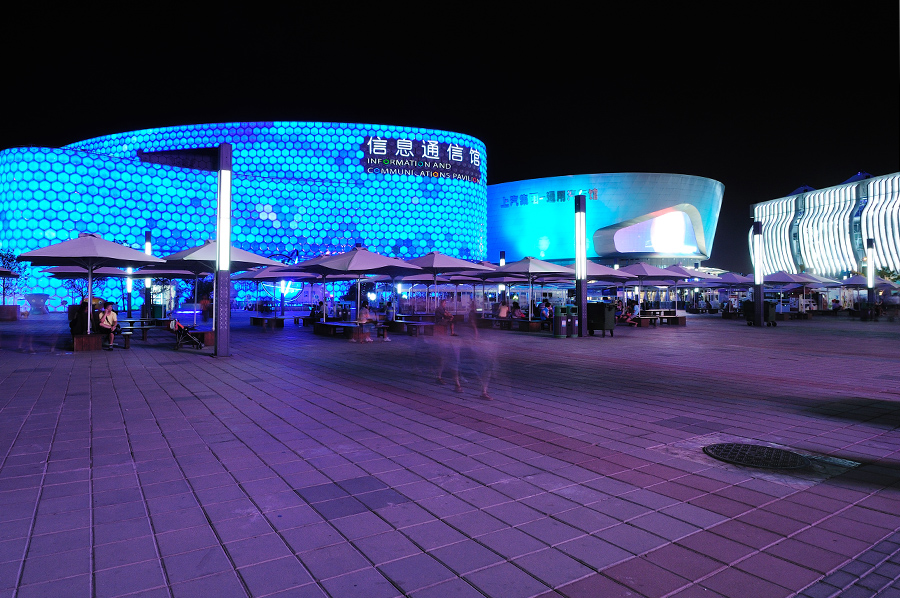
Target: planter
9, 312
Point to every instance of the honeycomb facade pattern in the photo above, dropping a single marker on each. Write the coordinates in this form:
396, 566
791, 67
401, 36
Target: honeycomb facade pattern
299, 189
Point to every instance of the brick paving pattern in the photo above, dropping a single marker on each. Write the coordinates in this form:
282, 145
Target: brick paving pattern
308, 466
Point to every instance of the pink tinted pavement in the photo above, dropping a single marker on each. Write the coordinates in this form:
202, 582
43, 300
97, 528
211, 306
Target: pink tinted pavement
308, 466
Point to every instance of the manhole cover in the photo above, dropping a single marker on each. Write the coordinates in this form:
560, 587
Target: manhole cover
754, 455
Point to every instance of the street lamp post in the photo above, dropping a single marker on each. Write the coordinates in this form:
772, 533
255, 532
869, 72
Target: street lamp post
222, 320
758, 293
870, 276
128, 288
581, 263
501, 288
148, 282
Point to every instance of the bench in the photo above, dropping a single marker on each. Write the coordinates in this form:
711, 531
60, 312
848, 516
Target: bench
415, 328
306, 320
266, 321
525, 325
644, 321
673, 320
791, 315
492, 322
659, 312
87, 342
333, 328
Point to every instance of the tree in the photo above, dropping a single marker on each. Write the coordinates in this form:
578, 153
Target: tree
888, 274
13, 286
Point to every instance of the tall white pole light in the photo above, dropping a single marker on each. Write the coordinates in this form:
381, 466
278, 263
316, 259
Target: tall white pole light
581, 263
148, 282
870, 276
758, 274
128, 288
222, 319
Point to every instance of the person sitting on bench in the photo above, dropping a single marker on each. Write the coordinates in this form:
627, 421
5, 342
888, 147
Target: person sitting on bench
108, 323
503, 312
442, 318
546, 314
78, 324
517, 311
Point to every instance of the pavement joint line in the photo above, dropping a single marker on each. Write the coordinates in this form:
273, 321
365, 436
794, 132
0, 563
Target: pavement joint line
367, 418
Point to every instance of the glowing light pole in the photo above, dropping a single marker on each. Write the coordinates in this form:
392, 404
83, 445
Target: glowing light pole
222, 302
758, 293
148, 282
581, 263
870, 276
501, 288
128, 288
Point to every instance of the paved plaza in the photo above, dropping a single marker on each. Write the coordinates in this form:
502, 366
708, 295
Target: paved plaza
306, 466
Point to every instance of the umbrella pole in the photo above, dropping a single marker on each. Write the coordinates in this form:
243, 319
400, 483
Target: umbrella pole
90, 298
531, 298
324, 299
196, 276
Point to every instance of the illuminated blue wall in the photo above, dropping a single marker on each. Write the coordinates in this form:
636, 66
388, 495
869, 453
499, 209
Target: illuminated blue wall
304, 187
536, 217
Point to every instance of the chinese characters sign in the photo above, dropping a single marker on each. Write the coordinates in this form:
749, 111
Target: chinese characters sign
549, 197
426, 158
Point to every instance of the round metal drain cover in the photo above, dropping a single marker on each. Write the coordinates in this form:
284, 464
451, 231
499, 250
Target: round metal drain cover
754, 455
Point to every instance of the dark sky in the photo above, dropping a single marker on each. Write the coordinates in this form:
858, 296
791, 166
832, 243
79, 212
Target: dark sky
762, 101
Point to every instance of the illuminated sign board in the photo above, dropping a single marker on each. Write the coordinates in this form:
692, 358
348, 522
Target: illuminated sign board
424, 158
526, 199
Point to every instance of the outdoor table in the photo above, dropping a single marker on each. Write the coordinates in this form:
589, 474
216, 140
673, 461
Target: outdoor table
142, 324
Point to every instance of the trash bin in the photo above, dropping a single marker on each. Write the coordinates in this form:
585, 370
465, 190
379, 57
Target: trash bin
572, 322
749, 308
601, 316
157, 311
560, 317
769, 313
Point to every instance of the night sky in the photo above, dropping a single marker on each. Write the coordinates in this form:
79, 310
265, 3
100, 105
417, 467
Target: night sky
764, 102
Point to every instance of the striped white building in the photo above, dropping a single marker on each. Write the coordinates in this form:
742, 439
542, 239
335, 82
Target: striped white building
825, 231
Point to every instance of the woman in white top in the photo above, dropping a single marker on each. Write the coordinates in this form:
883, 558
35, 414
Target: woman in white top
362, 319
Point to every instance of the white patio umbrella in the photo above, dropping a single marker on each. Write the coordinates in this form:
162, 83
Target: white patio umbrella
859, 281
77, 272
358, 261
161, 272
436, 263
686, 273
204, 259
291, 271
596, 271
644, 271
781, 279
733, 279
89, 251
412, 280
529, 269
270, 273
